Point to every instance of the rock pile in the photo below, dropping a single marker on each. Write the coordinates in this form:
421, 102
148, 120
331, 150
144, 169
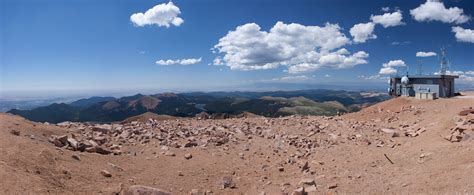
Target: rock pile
84, 138
305, 134
464, 127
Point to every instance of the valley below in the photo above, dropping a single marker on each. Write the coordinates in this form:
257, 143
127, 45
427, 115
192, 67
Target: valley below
218, 105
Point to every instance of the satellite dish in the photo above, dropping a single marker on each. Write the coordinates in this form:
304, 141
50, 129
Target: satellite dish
405, 80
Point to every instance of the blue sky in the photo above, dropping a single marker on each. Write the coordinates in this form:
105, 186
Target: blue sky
95, 45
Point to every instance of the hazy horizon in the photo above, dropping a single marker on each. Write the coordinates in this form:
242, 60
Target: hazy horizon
47, 94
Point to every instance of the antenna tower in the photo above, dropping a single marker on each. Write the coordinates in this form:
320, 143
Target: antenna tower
419, 71
443, 62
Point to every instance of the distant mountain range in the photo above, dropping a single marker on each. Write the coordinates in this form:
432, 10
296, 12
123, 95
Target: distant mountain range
270, 104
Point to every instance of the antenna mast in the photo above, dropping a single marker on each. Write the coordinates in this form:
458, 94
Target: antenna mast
443, 62
420, 67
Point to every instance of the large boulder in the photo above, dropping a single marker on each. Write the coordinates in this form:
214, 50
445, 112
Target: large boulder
104, 128
59, 141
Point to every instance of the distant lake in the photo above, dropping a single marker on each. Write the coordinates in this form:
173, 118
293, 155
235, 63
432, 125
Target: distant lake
200, 107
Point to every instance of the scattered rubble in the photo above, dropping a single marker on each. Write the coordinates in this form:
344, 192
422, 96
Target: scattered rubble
467, 111
193, 132
412, 132
464, 128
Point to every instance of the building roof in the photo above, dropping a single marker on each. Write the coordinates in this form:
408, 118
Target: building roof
427, 76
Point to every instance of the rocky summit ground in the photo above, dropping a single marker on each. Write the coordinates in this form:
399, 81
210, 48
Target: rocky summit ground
402, 145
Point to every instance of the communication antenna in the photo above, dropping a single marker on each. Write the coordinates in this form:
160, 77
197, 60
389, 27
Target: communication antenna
408, 68
449, 65
419, 71
443, 62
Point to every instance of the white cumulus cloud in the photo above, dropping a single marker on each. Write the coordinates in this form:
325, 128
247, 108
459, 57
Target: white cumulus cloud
388, 68
425, 54
363, 32
388, 19
301, 48
165, 14
338, 60
394, 63
464, 76
189, 61
463, 35
434, 10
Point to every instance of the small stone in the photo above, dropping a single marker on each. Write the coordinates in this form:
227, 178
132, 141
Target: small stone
169, 153
424, 155
188, 156
299, 191
307, 181
332, 186
75, 156
305, 166
73, 143
15, 132
281, 169
196, 192
104, 128
116, 167
190, 144
391, 132
311, 188
91, 149
105, 173
139, 190
58, 141
65, 172
180, 173
102, 150
227, 182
